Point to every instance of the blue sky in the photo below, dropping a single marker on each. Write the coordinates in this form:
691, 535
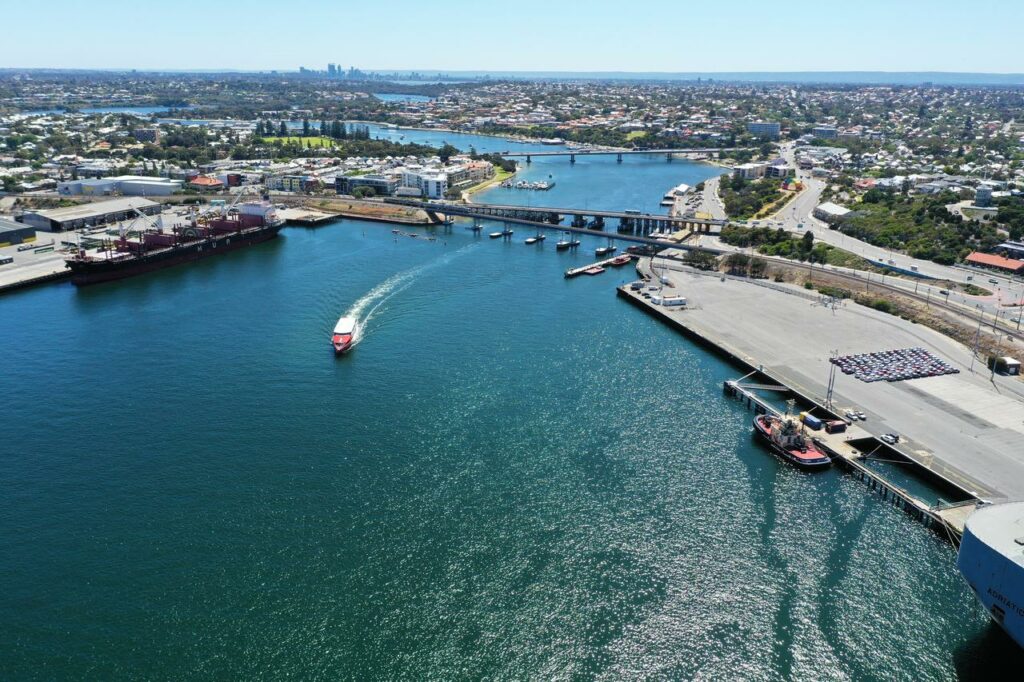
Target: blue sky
518, 35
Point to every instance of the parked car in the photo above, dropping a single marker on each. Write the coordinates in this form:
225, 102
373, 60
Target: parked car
887, 437
993, 280
861, 416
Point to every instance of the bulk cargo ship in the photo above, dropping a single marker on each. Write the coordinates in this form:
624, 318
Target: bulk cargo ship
991, 560
231, 228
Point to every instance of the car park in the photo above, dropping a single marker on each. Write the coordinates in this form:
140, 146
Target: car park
893, 365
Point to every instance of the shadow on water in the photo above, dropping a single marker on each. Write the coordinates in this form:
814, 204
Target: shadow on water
193, 273
763, 487
991, 655
840, 558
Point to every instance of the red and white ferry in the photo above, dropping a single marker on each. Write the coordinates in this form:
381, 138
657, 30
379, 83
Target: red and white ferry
344, 334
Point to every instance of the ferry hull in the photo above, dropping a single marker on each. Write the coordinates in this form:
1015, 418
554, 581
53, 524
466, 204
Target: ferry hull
97, 271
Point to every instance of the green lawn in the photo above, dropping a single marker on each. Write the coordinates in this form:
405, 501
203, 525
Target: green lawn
636, 135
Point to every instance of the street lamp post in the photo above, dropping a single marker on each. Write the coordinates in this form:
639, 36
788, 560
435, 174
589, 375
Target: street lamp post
977, 335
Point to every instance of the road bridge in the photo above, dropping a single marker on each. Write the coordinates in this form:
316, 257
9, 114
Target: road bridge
547, 218
710, 152
628, 222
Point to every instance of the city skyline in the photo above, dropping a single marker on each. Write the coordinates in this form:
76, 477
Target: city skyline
656, 36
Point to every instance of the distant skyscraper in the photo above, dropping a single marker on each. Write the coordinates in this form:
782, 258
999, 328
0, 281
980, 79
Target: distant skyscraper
332, 70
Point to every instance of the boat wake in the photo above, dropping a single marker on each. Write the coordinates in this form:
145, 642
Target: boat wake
368, 305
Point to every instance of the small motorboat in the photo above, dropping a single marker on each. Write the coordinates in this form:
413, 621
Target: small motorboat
531, 240
344, 334
495, 235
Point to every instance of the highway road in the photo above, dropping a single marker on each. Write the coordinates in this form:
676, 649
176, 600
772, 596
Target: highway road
797, 217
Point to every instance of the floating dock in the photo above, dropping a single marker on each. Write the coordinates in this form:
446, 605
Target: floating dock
599, 267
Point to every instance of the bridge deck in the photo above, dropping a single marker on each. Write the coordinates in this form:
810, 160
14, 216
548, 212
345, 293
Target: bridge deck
606, 152
483, 209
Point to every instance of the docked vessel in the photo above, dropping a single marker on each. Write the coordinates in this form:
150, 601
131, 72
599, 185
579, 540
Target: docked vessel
785, 436
562, 244
531, 240
343, 335
604, 250
991, 560
156, 247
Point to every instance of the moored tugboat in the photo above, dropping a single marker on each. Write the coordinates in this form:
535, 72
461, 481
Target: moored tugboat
785, 436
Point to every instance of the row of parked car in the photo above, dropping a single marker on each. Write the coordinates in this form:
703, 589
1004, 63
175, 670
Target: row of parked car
894, 365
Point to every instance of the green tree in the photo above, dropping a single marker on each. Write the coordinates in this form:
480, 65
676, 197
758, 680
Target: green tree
447, 152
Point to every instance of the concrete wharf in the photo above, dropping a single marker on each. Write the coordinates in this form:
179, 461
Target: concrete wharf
959, 432
306, 216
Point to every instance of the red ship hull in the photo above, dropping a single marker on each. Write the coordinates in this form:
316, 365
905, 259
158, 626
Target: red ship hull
812, 459
84, 272
342, 343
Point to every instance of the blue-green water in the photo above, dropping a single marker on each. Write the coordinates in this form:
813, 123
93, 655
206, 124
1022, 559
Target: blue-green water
512, 476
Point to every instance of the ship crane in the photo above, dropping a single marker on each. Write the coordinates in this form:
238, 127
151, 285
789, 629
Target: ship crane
224, 211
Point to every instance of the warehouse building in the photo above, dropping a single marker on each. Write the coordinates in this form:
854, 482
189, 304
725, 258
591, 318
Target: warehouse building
127, 185
15, 233
88, 215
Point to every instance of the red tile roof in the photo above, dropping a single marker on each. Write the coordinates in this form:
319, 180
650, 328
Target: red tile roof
203, 181
994, 261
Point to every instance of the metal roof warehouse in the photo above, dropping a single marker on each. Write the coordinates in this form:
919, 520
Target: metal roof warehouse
87, 215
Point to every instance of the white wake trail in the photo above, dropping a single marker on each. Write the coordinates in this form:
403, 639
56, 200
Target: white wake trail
366, 307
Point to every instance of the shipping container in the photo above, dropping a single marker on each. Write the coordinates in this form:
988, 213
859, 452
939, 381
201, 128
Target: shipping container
669, 300
836, 426
812, 422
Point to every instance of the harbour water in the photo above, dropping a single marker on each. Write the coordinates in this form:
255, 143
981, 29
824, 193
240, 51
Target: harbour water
511, 476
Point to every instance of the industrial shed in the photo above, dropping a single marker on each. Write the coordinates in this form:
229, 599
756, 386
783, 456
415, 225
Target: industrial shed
88, 215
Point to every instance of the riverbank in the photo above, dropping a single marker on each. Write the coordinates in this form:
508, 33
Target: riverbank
500, 175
